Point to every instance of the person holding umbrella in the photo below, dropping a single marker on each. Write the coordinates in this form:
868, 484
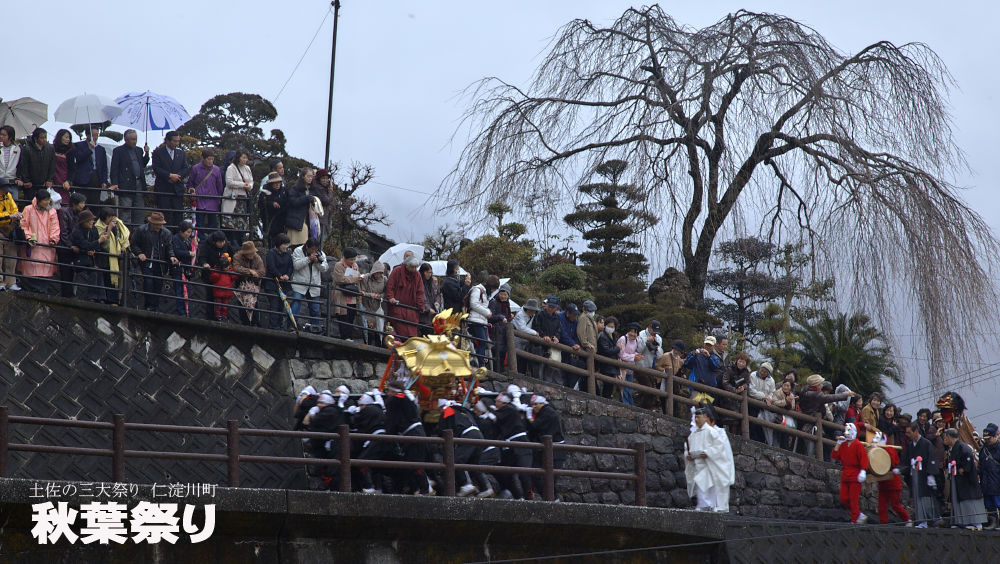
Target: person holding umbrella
170, 166
91, 166
128, 162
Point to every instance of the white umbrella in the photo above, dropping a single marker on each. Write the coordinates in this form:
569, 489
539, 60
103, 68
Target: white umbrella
149, 110
440, 268
87, 108
24, 115
394, 256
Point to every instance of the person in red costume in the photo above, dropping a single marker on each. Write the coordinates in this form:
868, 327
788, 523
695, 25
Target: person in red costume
853, 461
889, 490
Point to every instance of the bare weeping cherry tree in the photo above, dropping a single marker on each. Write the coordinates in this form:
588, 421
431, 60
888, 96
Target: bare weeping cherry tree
756, 118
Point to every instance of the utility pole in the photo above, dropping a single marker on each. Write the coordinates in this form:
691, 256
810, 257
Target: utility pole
333, 62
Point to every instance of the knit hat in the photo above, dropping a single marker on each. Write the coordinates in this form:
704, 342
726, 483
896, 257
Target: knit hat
814, 381
588, 305
531, 304
321, 173
766, 366
680, 347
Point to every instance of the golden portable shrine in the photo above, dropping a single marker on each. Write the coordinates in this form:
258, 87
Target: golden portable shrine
434, 366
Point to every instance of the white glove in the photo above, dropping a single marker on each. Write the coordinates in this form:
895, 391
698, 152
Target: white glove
314, 410
862, 475
913, 462
514, 390
411, 396
895, 471
692, 410
354, 409
841, 440
931, 482
516, 395
342, 402
480, 390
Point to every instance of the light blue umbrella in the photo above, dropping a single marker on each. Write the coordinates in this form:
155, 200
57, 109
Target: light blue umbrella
149, 110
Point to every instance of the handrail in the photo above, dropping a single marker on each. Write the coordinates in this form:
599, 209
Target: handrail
593, 375
233, 457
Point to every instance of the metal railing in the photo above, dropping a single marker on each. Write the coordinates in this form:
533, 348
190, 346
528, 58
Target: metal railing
669, 397
233, 457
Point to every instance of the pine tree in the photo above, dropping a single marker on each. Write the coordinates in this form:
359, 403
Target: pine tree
608, 223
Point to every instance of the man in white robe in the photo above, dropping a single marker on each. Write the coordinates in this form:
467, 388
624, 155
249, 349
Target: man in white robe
709, 470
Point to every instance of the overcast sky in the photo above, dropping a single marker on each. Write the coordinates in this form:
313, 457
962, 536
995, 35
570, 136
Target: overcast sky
401, 65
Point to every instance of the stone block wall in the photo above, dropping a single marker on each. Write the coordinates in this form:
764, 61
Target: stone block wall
60, 360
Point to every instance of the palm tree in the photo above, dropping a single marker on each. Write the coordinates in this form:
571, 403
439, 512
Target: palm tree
847, 350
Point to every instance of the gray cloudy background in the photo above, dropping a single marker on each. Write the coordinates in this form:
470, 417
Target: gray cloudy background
401, 66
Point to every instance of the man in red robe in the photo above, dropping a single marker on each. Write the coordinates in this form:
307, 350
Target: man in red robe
853, 460
405, 287
889, 490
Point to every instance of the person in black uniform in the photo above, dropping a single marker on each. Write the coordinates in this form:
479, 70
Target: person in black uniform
545, 422
402, 417
490, 456
462, 423
511, 428
369, 418
324, 417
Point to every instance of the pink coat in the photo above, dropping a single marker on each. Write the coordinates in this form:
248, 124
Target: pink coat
44, 226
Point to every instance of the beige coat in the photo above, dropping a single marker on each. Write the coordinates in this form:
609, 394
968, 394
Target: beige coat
586, 332
339, 279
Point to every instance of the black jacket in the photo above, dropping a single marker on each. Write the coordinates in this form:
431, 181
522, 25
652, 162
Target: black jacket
452, 293
143, 240
989, 469
121, 171
966, 483
370, 419
297, 204
925, 450
510, 422
164, 166
400, 413
608, 348
546, 325
81, 176
277, 264
85, 240
273, 219
546, 422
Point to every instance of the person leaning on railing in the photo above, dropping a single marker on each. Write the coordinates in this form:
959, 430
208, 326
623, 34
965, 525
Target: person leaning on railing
86, 243
372, 291
150, 244
184, 247
278, 267
10, 219
547, 325
113, 248
248, 264
41, 231
812, 401
522, 322
672, 363
68, 215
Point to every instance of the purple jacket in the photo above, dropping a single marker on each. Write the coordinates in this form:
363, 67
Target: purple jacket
213, 186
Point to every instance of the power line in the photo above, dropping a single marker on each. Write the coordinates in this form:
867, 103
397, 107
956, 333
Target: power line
922, 395
414, 190
956, 380
278, 95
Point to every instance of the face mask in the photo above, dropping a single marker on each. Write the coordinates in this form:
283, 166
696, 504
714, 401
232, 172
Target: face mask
591, 313
609, 330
